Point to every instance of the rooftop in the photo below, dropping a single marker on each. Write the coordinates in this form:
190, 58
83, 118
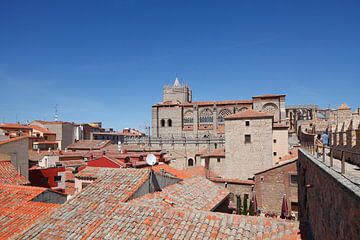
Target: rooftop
89, 144
13, 139
9, 174
41, 129
14, 126
17, 211
100, 211
192, 193
248, 114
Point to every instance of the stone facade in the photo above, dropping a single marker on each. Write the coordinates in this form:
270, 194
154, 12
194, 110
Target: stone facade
65, 131
248, 146
17, 149
272, 184
280, 142
177, 116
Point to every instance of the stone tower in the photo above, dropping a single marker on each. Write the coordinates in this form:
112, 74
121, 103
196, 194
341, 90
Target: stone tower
177, 93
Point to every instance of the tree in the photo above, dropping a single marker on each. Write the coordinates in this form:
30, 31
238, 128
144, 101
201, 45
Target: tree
245, 206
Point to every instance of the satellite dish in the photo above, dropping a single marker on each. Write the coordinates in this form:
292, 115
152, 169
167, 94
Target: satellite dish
151, 159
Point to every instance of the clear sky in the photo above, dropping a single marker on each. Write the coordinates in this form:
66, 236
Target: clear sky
108, 60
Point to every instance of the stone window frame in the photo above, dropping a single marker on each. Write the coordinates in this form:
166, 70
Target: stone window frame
222, 114
162, 123
290, 174
188, 117
206, 116
247, 123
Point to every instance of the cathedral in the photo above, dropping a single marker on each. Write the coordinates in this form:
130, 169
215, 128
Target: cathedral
177, 116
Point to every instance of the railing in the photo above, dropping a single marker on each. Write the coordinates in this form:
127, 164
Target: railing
322, 152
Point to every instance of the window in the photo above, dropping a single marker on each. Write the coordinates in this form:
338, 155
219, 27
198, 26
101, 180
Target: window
169, 123
262, 178
57, 178
190, 162
206, 116
293, 179
218, 160
247, 138
162, 123
294, 207
274, 140
247, 123
275, 153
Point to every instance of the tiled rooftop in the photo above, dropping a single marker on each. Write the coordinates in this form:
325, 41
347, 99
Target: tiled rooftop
41, 129
112, 184
131, 221
89, 144
9, 174
247, 114
193, 193
100, 212
181, 174
17, 211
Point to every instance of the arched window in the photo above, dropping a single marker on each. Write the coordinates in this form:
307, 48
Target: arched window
206, 116
223, 113
241, 109
188, 117
190, 162
162, 123
169, 123
270, 108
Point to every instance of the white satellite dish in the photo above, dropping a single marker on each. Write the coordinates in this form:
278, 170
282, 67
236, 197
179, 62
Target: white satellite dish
151, 159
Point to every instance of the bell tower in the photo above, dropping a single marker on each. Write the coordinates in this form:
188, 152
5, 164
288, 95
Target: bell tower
177, 93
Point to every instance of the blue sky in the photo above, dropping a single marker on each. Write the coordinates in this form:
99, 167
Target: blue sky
108, 60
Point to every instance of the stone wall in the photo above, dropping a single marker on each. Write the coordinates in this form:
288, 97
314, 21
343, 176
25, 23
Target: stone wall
271, 185
328, 202
280, 143
243, 160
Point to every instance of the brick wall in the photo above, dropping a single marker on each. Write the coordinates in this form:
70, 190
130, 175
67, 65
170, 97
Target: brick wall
271, 185
329, 206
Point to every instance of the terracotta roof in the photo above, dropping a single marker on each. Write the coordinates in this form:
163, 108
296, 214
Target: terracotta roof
281, 164
100, 211
41, 129
13, 140
14, 126
182, 174
344, 106
131, 221
248, 114
9, 174
206, 103
89, 144
73, 163
293, 154
232, 180
17, 211
219, 152
270, 96
192, 193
